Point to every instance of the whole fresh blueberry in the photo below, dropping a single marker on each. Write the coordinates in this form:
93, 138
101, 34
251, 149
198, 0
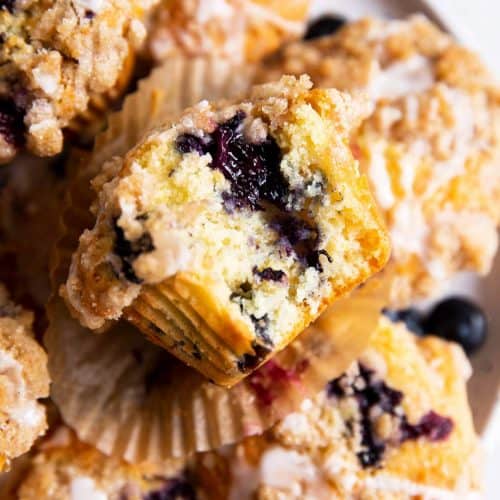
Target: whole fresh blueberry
460, 320
412, 318
324, 25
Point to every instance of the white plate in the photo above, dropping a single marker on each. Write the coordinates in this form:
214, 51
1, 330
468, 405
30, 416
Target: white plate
485, 382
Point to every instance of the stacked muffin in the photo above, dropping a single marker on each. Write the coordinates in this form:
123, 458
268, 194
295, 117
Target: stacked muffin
430, 148
214, 278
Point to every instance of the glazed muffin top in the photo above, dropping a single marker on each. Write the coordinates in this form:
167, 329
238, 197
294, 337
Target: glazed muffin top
431, 148
64, 468
242, 30
55, 55
396, 425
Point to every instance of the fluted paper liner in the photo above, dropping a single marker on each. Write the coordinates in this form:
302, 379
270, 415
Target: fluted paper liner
129, 397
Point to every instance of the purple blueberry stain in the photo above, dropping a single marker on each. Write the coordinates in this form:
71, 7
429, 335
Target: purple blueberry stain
242, 293
261, 325
298, 237
371, 393
270, 274
189, 143
314, 259
431, 426
313, 189
12, 126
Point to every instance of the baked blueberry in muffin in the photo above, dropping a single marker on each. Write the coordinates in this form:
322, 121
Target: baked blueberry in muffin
224, 235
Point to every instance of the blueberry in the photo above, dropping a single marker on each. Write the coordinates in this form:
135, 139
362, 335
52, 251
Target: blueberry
432, 426
253, 169
300, 237
324, 25
459, 320
188, 143
372, 453
261, 326
7, 5
373, 394
12, 126
412, 319
270, 274
249, 362
128, 251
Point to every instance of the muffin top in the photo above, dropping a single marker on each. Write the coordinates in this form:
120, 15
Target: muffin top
242, 30
23, 380
395, 425
55, 56
430, 148
64, 468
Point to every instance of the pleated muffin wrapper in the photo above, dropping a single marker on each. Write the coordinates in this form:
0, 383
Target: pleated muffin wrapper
129, 397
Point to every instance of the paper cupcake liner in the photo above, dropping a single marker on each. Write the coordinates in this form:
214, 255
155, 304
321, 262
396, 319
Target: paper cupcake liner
128, 397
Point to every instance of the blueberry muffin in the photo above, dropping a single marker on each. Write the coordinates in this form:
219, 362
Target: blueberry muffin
64, 468
224, 235
431, 148
61, 61
396, 425
243, 30
23, 380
